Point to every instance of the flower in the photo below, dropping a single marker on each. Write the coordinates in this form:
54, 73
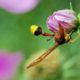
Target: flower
8, 64
67, 18
44, 68
18, 6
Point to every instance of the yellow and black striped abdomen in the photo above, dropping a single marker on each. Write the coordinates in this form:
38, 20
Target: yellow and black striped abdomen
36, 30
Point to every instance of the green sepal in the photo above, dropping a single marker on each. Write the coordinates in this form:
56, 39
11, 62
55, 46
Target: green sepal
79, 24
79, 18
78, 31
71, 6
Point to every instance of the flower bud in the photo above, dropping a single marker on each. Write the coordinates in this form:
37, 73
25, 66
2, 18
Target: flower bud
67, 18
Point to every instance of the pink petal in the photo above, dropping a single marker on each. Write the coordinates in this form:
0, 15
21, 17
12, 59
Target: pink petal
67, 18
52, 23
18, 6
8, 64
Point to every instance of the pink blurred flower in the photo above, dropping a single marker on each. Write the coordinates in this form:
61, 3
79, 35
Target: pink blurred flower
67, 18
18, 6
8, 64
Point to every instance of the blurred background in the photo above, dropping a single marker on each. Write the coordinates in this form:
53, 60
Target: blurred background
15, 36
